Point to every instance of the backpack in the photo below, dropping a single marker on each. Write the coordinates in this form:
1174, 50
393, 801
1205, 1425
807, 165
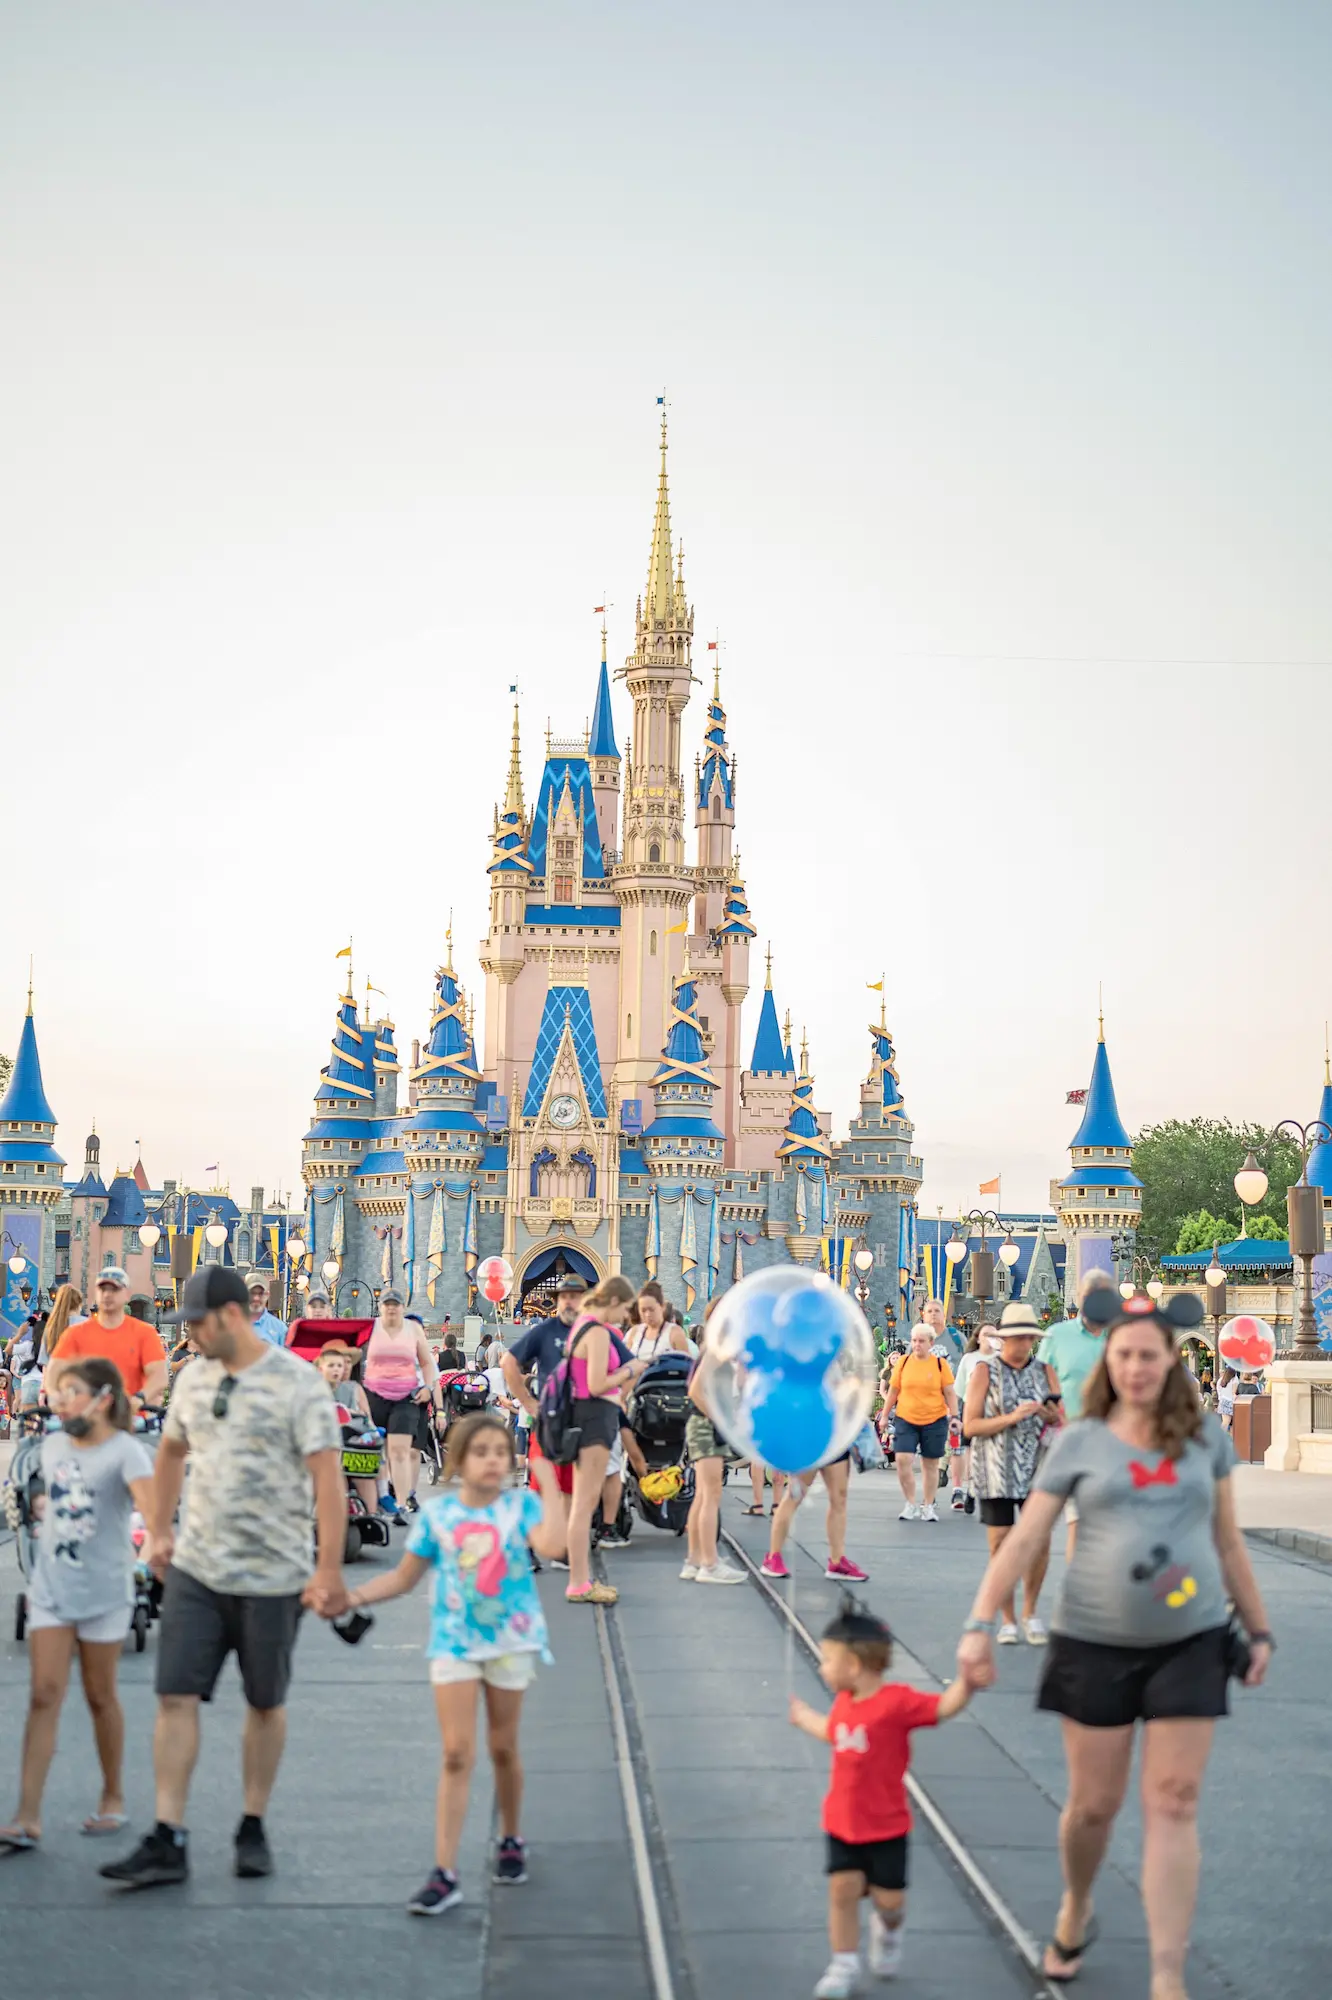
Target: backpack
559, 1437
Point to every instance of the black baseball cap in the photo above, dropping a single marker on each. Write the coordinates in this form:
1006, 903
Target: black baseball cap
215, 1285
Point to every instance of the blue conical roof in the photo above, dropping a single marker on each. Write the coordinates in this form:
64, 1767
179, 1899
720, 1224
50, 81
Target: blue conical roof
350, 1074
1101, 1123
25, 1100
1320, 1160
684, 1058
803, 1140
125, 1206
602, 741
769, 1052
449, 1051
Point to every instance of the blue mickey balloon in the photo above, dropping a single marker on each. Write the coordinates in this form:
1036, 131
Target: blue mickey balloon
791, 1368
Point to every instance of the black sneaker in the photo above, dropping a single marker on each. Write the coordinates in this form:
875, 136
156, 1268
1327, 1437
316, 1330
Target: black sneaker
440, 1893
252, 1853
413, 1504
160, 1858
511, 1860
971, 1503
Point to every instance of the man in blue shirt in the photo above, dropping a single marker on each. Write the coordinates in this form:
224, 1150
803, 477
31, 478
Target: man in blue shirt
265, 1323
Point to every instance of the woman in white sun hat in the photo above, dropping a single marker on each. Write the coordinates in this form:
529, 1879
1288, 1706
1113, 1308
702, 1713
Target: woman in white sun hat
1012, 1400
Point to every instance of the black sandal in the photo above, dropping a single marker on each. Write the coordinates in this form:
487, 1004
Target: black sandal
1070, 1956
752, 1510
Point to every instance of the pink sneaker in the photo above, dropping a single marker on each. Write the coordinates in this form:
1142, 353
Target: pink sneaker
774, 1566
846, 1571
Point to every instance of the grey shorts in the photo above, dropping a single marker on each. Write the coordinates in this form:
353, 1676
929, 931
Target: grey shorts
201, 1626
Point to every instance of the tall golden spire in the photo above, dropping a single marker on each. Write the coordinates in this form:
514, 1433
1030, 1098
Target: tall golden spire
513, 797
659, 602
448, 939
30, 986
1100, 1013
767, 984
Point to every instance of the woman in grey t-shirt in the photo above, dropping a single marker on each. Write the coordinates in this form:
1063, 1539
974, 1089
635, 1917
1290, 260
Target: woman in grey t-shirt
1141, 1629
81, 1592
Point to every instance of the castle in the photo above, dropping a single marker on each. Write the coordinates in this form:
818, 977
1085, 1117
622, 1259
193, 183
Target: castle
607, 1119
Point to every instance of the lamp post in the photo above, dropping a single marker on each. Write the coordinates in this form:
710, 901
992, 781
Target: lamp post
1142, 1279
1214, 1279
330, 1269
982, 1260
863, 1259
295, 1258
1304, 1219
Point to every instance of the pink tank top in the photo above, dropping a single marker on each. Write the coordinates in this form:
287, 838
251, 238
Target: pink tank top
390, 1363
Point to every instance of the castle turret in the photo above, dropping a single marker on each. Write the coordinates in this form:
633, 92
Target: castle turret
765, 1089
502, 952
1100, 1202
30, 1174
604, 762
653, 883
806, 1153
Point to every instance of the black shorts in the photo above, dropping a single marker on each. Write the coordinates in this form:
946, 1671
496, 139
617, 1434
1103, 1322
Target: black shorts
883, 1863
999, 1513
201, 1626
598, 1419
397, 1416
1105, 1687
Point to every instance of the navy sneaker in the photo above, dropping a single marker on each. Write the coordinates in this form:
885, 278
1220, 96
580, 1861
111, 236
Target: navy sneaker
413, 1505
440, 1893
161, 1858
511, 1860
252, 1852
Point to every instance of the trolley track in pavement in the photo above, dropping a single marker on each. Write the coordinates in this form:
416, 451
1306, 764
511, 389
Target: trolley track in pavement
997, 1910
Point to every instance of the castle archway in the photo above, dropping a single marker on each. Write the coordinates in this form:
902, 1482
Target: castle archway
536, 1281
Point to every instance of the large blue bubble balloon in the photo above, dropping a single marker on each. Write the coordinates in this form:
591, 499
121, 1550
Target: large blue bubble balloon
791, 1368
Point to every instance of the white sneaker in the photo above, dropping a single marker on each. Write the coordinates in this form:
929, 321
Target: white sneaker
929, 1513
720, 1572
689, 1574
885, 1948
1007, 1635
959, 1499
1035, 1631
910, 1512
840, 1981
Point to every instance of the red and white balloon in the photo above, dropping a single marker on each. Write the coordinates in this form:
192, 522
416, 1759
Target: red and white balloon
1247, 1343
495, 1277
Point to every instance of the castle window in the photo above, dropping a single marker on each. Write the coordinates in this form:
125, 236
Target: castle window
716, 805
564, 850
562, 891
628, 1027
652, 945
654, 852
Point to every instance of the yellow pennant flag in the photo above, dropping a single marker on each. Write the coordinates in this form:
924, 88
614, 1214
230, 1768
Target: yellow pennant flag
874, 985
344, 953
677, 930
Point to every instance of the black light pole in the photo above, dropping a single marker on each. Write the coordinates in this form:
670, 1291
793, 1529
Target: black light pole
982, 1260
1304, 1219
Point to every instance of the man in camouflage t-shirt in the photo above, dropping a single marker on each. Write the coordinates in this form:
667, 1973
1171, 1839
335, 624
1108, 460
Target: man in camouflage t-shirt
259, 1431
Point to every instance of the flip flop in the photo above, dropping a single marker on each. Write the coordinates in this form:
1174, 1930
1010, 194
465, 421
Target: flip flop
98, 1825
753, 1510
14, 1841
1070, 1956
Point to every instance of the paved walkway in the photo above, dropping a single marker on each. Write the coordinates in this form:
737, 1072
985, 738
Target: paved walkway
997, 1773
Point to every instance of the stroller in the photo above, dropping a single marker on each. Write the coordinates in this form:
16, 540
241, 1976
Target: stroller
362, 1456
25, 1490
657, 1411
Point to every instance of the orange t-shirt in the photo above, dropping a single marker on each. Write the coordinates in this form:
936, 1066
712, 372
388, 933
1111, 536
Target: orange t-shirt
920, 1381
133, 1346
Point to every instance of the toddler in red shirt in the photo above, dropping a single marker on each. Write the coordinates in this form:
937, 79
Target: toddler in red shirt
865, 1815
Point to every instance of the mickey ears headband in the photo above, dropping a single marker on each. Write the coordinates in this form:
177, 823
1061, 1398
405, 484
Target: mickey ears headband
1182, 1312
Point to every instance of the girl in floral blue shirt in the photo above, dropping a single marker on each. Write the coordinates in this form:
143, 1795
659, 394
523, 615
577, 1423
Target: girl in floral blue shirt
486, 1629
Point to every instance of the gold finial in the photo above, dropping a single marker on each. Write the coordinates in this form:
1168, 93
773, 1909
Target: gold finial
471, 1020
513, 796
659, 599
350, 962
448, 940
29, 986
768, 981
786, 1028
1100, 1013
716, 647
804, 1052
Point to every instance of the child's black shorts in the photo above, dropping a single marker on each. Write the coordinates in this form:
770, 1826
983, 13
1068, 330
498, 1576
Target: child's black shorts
883, 1863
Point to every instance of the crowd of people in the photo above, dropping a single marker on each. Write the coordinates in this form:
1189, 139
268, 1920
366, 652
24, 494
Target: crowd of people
1097, 1421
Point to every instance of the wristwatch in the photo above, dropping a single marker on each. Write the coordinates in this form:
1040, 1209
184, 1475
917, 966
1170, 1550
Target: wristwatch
1263, 1639
985, 1625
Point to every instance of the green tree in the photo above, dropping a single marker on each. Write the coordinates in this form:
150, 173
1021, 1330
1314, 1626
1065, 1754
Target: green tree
1266, 1229
6, 1070
1187, 1166
1202, 1231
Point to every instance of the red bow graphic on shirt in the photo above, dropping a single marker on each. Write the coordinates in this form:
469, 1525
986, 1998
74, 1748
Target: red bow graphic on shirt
1164, 1474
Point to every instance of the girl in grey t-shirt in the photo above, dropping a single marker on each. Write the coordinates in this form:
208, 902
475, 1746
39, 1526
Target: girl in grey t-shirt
81, 1591
1141, 1631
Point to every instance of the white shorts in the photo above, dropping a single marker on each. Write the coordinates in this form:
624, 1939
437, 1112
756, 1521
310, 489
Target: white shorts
110, 1629
513, 1672
615, 1463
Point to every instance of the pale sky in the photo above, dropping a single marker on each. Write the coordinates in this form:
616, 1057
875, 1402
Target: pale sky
996, 338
